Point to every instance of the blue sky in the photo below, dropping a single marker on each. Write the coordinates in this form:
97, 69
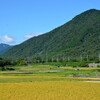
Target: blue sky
22, 19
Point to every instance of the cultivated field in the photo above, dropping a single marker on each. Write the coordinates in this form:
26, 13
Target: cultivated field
50, 90
44, 82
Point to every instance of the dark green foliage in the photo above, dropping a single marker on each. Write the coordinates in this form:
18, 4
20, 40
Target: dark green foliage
21, 62
98, 66
84, 64
80, 36
4, 63
8, 68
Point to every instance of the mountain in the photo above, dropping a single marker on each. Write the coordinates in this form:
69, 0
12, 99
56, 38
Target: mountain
4, 48
79, 36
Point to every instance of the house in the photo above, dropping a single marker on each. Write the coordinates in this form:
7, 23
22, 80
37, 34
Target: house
94, 64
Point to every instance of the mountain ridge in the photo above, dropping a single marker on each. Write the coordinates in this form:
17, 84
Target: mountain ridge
4, 47
78, 36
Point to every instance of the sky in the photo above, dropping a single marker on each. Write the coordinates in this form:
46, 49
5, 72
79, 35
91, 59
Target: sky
23, 19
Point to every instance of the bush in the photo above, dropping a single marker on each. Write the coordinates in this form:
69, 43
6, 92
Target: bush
74, 66
4, 63
98, 65
84, 65
21, 62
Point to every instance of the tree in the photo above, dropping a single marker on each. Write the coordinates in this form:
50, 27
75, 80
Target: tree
4, 63
21, 62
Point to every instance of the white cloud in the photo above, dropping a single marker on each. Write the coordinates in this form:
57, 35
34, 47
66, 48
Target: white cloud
7, 39
27, 36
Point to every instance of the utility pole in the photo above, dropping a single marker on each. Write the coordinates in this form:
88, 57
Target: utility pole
63, 58
68, 59
52, 59
38, 60
87, 57
42, 60
57, 59
81, 57
46, 60
35, 61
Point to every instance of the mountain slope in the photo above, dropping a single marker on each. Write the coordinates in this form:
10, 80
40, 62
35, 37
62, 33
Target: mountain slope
81, 35
4, 48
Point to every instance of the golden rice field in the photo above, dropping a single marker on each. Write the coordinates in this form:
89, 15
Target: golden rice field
48, 86
50, 90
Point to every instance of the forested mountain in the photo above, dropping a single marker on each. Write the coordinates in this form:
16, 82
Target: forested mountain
80, 36
4, 48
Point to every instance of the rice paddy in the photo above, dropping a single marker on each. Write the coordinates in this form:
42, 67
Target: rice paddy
50, 90
42, 85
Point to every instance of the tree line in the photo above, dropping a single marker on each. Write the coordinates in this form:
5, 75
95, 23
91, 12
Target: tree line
6, 64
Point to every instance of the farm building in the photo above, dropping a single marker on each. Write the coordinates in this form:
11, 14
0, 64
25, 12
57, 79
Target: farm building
94, 64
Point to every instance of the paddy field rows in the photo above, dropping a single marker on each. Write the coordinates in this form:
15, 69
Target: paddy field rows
45, 84
50, 90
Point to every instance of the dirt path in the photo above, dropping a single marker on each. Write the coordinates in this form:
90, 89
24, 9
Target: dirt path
92, 81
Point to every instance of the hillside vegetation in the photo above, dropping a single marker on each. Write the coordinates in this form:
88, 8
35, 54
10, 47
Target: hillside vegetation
80, 36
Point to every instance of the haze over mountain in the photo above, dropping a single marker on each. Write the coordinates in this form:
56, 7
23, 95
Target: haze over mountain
4, 48
80, 36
